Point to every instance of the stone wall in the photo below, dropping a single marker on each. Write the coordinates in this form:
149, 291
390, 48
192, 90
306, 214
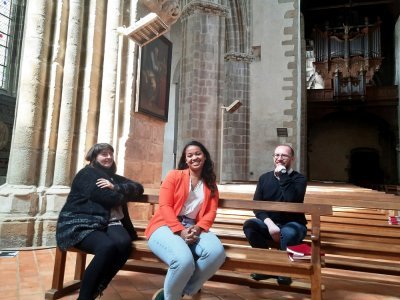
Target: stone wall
274, 83
81, 89
69, 98
77, 87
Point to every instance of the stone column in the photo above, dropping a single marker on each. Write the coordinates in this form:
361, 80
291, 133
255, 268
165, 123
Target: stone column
236, 127
202, 73
128, 64
62, 175
86, 98
56, 71
18, 197
24, 155
89, 89
60, 133
108, 112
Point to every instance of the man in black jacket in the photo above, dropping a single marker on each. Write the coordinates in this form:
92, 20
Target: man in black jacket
278, 229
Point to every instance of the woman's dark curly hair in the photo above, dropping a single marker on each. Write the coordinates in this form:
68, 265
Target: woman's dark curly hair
95, 150
207, 174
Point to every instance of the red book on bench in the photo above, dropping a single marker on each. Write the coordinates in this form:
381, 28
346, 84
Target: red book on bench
299, 250
394, 220
293, 257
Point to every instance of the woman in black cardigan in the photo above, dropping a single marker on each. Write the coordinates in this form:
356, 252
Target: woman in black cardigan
95, 219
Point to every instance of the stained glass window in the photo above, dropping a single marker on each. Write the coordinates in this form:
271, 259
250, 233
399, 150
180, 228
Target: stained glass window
5, 41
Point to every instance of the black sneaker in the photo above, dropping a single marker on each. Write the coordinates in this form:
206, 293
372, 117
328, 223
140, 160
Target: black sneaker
284, 280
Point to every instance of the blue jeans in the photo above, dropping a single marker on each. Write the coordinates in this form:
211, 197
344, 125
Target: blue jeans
190, 266
257, 234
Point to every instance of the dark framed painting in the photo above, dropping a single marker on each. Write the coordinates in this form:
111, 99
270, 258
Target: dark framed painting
154, 78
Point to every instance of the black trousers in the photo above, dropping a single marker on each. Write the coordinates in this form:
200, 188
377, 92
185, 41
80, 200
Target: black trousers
111, 249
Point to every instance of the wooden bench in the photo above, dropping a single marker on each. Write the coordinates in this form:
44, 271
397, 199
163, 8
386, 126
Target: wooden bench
354, 197
392, 189
357, 239
241, 261
363, 242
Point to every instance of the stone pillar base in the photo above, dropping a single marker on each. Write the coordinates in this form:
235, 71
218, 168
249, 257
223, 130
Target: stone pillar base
28, 215
16, 231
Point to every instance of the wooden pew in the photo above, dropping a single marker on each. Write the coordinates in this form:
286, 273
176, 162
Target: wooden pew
392, 189
358, 239
364, 240
241, 260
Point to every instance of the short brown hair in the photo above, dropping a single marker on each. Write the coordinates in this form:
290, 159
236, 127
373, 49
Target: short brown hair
96, 149
290, 147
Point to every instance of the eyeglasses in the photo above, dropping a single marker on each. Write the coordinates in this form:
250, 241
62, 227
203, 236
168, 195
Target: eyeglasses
284, 156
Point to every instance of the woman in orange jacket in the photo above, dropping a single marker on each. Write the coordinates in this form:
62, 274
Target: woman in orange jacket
179, 232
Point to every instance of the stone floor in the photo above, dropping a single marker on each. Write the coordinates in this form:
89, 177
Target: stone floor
28, 276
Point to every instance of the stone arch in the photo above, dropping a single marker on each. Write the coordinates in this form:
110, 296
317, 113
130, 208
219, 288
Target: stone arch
237, 39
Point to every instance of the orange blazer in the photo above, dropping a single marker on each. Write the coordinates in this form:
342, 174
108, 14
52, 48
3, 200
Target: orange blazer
173, 193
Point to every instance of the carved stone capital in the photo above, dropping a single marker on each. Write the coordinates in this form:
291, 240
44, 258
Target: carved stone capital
205, 7
238, 56
168, 10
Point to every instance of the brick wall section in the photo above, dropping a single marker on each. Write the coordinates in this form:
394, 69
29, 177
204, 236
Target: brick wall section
144, 150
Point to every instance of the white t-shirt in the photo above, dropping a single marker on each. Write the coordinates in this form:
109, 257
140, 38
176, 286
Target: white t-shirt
194, 201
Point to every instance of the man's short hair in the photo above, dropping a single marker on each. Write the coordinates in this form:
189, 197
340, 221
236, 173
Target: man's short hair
285, 145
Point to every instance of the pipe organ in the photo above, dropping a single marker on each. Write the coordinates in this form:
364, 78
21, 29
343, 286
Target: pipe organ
347, 58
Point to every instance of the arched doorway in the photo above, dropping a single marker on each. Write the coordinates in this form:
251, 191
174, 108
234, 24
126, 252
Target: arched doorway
354, 146
365, 168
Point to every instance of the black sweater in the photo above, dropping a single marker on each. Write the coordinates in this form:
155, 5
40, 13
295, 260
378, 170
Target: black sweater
88, 207
290, 188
